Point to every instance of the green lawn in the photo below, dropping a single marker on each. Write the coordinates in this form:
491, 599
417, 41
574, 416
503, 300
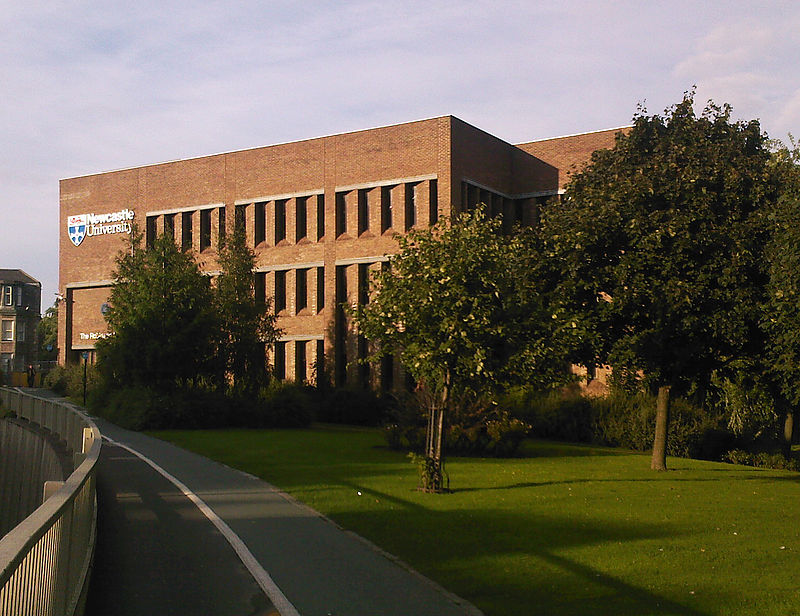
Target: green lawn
566, 529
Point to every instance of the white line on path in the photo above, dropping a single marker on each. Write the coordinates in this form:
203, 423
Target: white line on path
260, 574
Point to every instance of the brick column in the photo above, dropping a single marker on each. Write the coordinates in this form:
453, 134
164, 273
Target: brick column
399, 208
351, 213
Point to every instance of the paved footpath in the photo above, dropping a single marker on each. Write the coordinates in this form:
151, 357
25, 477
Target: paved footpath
181, 534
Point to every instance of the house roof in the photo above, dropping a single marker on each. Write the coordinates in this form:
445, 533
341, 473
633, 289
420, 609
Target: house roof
16, 275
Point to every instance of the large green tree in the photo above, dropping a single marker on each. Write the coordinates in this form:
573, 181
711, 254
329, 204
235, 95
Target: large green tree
659, 243
781, 319
248, 325
164, 323
459, 305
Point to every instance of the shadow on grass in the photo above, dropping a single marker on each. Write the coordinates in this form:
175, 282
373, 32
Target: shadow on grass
553, 584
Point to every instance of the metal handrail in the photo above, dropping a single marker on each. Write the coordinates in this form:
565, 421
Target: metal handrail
45, 560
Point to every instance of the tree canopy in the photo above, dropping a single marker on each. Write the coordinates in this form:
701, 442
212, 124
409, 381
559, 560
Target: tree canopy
660, 241
459, 304
166, 329
247, 323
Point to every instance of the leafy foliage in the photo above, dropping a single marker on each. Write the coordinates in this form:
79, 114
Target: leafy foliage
781, 319
460, 306
165, 327
248, 325
47, 334
660, 242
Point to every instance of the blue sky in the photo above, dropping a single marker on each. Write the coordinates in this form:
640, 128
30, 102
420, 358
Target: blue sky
95, 86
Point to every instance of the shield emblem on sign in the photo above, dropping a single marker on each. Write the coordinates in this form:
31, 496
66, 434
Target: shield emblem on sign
76, 227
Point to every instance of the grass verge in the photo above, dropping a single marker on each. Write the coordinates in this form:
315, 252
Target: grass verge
565, 529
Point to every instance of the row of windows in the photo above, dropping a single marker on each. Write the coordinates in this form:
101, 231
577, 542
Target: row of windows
393, 207
376, 210
270, 218
303, 364
514, 210
307, 283
187, 224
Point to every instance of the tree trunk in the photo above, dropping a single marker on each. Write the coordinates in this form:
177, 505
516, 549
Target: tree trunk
788, 429
659, 460
432, 477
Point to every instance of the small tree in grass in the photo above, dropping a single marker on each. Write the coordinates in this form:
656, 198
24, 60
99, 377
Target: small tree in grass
460, 305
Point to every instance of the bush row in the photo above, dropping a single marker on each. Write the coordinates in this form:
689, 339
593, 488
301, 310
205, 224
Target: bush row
762, 459
620, 420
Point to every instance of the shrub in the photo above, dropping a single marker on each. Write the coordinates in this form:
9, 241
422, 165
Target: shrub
142, 408
620, 419
762, 459
282, 405
56, 380
474, 428
351, 405
68, 380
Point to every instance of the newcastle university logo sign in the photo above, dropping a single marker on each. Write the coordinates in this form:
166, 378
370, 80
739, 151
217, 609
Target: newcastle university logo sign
90, 225
76, 227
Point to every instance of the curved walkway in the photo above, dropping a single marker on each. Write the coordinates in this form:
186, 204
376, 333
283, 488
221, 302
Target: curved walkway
181, 534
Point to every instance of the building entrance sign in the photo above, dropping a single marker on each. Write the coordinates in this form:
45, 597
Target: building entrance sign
81, 226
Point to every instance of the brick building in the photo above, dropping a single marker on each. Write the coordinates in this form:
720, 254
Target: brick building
319, 214
20, 303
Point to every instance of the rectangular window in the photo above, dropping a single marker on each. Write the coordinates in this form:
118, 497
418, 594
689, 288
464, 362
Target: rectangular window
186, 230
363, 283
280, 221
8, 295
341, 213
222, 219
320, 217
19, 296
386, 208
433, 192
150, 231
301, 218
280, 290
363, 210
260, 232
205, 229
320, 289
387, 373
411, 205
260, 287
363, 367
169, 225
496, 207
300, 361
240, 217
21, 331
319, 363
301, 290
8, 331
280, 360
